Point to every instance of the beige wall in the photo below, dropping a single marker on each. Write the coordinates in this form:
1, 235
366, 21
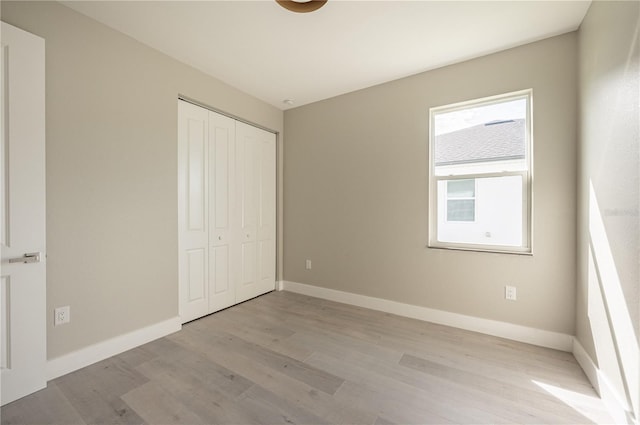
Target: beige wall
610, 163
111, 171
356, 192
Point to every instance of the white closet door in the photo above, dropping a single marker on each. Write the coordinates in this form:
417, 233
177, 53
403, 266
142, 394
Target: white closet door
256, 199
223, 242
226, 211
193, 211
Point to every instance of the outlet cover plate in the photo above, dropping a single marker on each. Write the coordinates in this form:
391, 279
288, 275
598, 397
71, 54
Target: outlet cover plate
510, 293
61, 315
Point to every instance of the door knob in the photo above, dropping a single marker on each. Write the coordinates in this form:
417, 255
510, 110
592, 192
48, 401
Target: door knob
31, 257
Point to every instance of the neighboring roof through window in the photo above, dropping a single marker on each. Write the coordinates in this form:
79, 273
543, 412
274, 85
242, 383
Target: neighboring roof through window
492, 141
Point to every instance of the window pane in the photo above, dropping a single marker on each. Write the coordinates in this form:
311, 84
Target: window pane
485, 138
494, 217
461, 188
461, 210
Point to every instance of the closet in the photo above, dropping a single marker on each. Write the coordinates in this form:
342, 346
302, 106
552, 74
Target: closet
226, 211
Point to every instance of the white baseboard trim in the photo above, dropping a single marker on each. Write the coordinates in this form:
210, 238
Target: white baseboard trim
585, 362
558, 341
94, 353
279, 285
618, 409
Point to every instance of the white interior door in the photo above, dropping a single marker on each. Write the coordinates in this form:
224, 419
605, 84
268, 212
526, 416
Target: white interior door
22, 224
193, 211
256, 158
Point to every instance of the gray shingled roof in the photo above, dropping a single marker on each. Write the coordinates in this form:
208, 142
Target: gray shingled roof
494, 141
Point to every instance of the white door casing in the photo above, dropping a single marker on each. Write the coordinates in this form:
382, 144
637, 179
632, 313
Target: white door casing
23, 217
226, 211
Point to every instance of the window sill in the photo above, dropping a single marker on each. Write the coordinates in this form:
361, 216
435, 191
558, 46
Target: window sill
485, 249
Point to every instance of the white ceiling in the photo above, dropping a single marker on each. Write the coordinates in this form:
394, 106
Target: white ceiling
274, 54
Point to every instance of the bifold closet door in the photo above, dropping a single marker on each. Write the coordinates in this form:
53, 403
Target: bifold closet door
193, 211
223, 241
256, 164
226, 211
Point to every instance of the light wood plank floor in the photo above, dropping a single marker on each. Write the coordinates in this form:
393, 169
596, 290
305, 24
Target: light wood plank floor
285, 358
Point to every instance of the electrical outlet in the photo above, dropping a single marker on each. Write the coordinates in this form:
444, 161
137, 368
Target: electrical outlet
61, 315
510, 293
307, 265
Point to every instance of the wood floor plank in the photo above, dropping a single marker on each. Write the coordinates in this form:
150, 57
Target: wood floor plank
47, 406
95, 391
269, 408
195, 371
157, 406
316, 378
384, 403
382, 421
272, 337
98, 409
206, 402
243, 325
340, 345
428, 404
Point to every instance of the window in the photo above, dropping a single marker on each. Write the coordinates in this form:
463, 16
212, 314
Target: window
480, 174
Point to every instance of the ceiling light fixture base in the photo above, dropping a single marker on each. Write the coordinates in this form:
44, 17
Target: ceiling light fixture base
301, 6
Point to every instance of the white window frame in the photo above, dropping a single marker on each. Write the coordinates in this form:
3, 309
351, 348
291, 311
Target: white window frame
527, 177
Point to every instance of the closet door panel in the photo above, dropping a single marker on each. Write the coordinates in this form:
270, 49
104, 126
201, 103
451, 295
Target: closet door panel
266, 212
220, 288
256, 197
196, 157
193, 130
196, 276
246, 199
248, 265
248, 183
221, 211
